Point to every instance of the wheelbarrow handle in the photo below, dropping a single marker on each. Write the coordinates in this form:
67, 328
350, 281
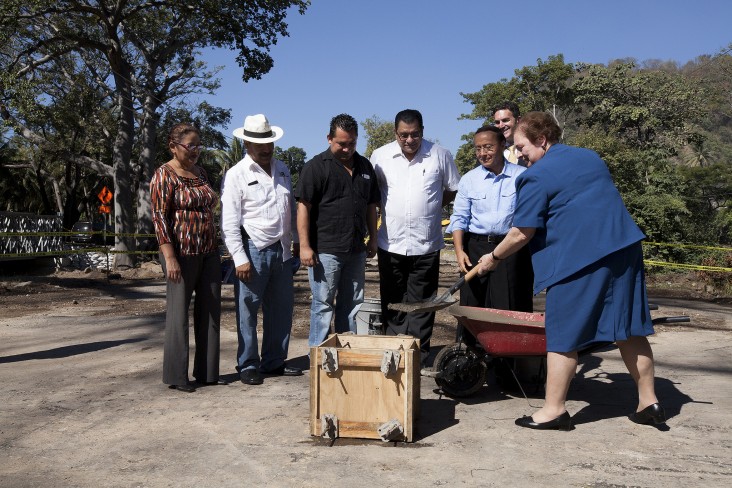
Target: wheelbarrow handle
672, 320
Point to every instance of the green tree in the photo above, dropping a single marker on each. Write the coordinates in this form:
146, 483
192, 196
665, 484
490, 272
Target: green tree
644, 108
219, 161
294, 158
544, 87
710, 195
142, 55
378, 132
465, 159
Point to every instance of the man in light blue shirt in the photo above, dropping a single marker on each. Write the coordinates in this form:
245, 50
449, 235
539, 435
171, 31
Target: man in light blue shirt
482, 215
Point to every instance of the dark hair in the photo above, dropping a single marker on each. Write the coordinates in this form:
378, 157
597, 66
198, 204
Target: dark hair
408, 116
178, 131
508, 106
495, 130
343, 122
537, 124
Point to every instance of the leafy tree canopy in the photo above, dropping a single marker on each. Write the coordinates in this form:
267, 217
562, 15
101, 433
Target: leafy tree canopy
378, 133
134, 59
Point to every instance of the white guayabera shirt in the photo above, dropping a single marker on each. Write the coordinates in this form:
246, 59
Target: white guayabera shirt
411, 197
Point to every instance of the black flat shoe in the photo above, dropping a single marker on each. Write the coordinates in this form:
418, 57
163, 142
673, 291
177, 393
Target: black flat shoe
187, 388
563, 422
652, 414
251, 377
284, 371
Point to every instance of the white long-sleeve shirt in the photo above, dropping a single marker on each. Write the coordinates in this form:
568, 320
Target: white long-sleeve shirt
262, 204
411, 197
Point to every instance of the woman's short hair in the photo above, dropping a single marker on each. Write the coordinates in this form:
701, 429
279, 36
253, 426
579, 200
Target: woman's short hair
179, 131
537, 124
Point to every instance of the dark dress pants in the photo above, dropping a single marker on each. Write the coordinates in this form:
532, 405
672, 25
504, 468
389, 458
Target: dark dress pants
508, 287
200, 274
409, 279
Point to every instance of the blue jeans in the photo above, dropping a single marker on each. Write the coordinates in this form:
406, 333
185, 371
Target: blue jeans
341, 275
270, 285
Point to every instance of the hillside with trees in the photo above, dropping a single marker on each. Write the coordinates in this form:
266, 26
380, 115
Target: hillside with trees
664, 129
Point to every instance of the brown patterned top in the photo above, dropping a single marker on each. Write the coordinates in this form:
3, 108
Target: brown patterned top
182, 211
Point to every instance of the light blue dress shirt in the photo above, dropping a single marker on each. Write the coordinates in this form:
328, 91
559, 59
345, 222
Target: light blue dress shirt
485, 202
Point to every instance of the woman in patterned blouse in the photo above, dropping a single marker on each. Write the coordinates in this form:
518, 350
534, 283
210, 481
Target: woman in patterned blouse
182, 208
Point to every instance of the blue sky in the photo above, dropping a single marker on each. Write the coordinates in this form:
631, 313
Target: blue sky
377, 57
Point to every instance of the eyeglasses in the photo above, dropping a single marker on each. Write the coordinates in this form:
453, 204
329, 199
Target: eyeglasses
489, 148
414, 135
190, 147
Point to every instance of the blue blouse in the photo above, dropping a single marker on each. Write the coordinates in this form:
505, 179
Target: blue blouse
569, 197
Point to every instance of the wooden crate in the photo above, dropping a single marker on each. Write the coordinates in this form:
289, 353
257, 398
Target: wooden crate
356, 398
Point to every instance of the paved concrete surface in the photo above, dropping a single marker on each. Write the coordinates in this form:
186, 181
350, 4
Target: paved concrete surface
82, 406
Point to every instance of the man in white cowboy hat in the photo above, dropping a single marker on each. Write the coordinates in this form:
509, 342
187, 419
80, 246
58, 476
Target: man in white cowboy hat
258, 226
337, 195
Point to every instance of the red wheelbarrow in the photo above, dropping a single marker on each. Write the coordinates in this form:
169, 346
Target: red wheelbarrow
460, 369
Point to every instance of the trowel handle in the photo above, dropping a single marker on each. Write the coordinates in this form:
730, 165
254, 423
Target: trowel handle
463, 279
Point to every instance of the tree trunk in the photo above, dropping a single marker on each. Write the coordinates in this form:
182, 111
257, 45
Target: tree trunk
124, 217
148, 143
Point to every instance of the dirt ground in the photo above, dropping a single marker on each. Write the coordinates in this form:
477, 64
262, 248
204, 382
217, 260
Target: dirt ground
82, 403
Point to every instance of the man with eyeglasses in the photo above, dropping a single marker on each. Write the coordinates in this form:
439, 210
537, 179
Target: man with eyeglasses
417, 178
482, 216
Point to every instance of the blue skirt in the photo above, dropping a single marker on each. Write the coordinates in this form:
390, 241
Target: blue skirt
603, 302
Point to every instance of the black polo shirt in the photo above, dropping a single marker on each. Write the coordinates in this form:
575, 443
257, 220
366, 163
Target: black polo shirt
339, 202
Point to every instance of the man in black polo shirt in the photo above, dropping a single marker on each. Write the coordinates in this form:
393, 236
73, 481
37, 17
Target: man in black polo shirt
337, 196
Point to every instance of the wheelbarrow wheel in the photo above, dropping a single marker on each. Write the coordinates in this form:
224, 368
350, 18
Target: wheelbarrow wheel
460, 372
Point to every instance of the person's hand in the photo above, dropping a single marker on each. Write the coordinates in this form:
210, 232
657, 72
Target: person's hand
244, 272
308, 256
463, 261
486, 263
371, 246
173, 269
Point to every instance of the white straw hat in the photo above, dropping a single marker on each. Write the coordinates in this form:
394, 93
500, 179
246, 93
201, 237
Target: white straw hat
257, 129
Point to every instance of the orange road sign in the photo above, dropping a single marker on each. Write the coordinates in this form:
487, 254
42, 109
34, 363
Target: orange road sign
105, 196
105, 209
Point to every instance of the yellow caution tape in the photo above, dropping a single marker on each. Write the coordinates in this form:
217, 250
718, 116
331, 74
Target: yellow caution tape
61, 234
687, 266
690, 246
99, 250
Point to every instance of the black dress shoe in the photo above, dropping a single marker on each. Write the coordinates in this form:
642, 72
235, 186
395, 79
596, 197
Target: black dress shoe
563, 422
251, 377
284, 371
187, 388
652, 414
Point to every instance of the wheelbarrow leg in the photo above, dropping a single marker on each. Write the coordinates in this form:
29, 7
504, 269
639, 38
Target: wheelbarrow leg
463, 335
515, 378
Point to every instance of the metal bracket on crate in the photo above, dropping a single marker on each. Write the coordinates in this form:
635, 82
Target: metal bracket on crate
390, 430
329, 426
390, 362
329, 359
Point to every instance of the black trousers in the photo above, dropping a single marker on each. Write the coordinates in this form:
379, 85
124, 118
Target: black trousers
408, 279
508, 287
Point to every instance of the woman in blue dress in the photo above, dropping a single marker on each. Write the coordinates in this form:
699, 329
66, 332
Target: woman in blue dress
586, 252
